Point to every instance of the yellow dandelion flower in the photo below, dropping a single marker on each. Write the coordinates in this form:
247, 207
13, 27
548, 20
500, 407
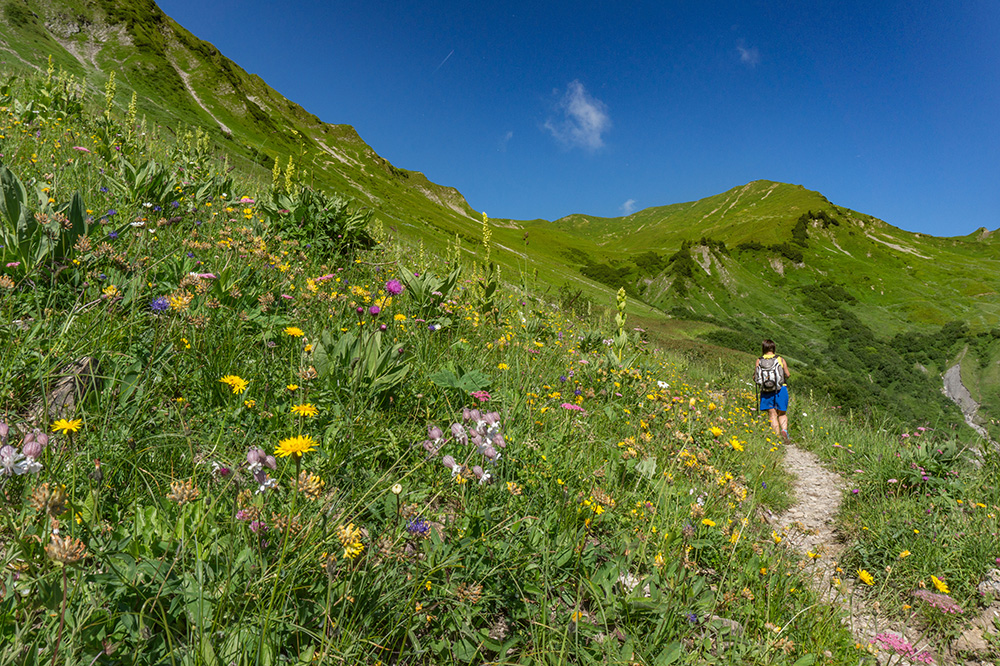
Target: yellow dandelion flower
305, 409
716, 431
904, 554
64, 426
236, 383
865, 577
295, 446
294, 331
941, 586
709, 522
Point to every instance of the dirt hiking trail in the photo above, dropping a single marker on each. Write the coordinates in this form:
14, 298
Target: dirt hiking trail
808, 527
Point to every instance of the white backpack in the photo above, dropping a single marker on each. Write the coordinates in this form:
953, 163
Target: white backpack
769, 374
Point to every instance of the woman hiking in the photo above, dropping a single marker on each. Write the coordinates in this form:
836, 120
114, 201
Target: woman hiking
770, 374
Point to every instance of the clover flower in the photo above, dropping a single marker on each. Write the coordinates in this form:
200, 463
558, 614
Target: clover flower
183, 492
65, 549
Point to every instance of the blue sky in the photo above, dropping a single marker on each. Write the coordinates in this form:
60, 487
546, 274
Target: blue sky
543, 109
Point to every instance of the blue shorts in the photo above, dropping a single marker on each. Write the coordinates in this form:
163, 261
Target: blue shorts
777, 400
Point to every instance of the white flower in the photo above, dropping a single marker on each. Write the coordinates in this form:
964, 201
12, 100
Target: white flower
397, 488
11, 461
138, 223
268, 483
663, 384
32, 466
485, 477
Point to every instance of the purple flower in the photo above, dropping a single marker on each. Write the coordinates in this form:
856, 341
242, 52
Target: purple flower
159, 304
374, 310
112, 234
418, 527
394, 287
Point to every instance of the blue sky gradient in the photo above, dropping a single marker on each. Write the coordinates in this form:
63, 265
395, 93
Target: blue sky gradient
540, 110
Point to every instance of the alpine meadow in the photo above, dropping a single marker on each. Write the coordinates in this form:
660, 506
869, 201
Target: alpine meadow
266, 398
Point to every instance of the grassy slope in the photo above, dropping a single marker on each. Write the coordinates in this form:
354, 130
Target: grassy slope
167, 578
895, 290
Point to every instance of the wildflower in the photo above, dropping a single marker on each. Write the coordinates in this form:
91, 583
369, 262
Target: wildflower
904, 649
904, 554
708, 522
716, 431
397, 488
310, 485
306, 409
514, 488
481, 396
160, 304
49, 499
502, 366
399, 317
471, 593
180, 301
573, 407
64, 426
236, 383
65, 549
296, 446
394, 287
11, 461
940, 585
942, 602
418, 527
865, 577
350, 539
292, 387
183, 492
294, 331
374, 310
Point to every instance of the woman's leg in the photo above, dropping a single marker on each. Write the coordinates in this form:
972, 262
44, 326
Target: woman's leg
782, 419
775, 425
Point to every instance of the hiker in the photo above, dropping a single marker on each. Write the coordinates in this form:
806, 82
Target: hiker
770, 374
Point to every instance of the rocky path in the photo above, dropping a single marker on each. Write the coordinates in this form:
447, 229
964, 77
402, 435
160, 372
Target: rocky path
959, 394
808, 527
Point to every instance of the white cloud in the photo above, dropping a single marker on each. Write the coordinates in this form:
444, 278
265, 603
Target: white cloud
504, 140
628, 207
583, 118
748, 56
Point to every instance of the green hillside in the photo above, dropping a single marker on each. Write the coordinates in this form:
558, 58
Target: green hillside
247, 421
763, 259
